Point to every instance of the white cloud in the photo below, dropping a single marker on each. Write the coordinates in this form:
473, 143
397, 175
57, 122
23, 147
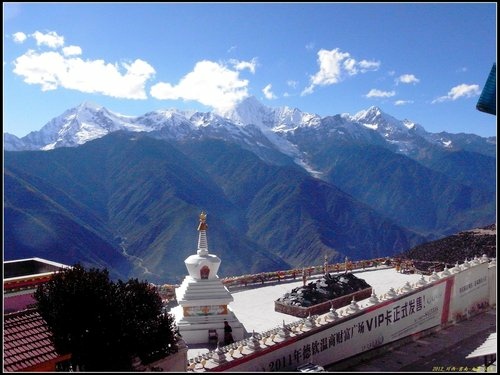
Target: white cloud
329, 67
333, 65
354, 67
403, 102
240, 65
292, 83
72, 51
19, 37
50, 39
407, 78
231, 49
350, 66
374, 93
365, 65
52, 70
310, 46
459, 91
268, 93
210, 83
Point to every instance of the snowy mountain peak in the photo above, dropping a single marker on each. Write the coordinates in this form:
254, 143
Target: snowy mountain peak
206, 119
249, 123
248, 111
409, 124
87, 110
250, 101
174, 112
396, 132
164, 115
251, 111
370, 115
90, 106
374, 110
374, 118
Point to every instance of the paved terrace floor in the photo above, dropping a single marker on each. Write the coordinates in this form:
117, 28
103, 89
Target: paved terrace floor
254, 307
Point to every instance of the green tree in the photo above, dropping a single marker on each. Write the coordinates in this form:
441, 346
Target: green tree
105, 325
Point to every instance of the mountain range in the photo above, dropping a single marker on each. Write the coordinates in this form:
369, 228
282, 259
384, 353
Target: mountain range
282, 188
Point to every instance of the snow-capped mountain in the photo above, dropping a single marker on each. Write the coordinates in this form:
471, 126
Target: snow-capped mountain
263, 130
77, 126
281, 119
172, 124
388, 126
379, 184
400, 133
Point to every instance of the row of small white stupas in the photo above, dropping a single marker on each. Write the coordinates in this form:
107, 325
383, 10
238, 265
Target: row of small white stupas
260, 341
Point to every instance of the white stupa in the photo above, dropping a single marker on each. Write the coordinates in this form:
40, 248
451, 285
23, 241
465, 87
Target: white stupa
203, 298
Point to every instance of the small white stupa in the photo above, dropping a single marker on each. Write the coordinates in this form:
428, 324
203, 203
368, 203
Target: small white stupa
203, 297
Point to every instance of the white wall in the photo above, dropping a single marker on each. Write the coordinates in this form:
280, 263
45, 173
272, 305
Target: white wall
435, 304
470, 292
492, 284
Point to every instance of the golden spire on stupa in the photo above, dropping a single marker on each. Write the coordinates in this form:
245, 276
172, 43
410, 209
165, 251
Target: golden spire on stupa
203, 221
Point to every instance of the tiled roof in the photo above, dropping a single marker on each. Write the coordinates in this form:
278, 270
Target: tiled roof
27, 341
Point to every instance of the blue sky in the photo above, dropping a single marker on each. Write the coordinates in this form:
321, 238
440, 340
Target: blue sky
426, 62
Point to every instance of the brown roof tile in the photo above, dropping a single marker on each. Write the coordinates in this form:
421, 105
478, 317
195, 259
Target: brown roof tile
26, 340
